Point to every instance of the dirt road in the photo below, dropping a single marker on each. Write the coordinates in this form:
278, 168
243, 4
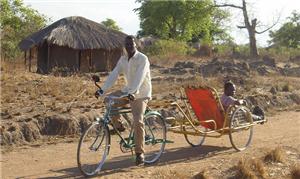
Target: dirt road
216, 155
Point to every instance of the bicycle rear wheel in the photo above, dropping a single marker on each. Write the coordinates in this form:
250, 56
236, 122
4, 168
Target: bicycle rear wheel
93, 148
241, 128
155, 137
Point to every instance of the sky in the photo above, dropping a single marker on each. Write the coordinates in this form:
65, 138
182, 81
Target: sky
121, 11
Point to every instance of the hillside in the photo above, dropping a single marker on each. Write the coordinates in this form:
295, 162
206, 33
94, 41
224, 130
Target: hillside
35, 107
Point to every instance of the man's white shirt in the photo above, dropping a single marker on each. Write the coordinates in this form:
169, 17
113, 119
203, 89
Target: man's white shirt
137, 75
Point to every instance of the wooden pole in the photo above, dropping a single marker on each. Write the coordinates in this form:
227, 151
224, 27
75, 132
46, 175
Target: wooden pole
90, 60
25, 58
48, 58
30, 60
108, 60
79, 63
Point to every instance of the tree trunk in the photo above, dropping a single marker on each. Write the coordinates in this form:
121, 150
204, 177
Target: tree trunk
252, 45
251, 31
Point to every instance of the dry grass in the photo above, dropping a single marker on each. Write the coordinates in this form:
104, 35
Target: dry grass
286, 87
20, 88
295, 172
13, 66
276, 155
282, 83
202, 175
250, 169
169, 174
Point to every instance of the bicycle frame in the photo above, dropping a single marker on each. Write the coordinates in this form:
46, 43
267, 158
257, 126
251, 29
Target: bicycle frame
110, 110
127, 142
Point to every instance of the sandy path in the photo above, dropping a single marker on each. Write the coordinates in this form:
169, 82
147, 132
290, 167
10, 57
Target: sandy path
216, 155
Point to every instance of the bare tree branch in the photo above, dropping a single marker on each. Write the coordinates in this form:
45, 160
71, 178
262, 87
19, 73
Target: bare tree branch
241, 27
228, 5
275, 23
265, 29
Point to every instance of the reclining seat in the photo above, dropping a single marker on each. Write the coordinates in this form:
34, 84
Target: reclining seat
206, 106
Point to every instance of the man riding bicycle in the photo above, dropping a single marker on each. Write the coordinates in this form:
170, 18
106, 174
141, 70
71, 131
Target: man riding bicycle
136, 69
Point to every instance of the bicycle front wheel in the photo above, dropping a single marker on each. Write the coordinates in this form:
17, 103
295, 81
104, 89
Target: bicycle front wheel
155, 137
93, 149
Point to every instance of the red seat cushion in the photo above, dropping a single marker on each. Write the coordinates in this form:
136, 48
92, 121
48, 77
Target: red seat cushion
205, 107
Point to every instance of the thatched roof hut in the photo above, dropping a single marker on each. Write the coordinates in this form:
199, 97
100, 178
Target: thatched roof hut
75, 43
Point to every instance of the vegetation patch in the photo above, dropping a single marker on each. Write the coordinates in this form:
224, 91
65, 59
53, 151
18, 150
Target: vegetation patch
250, 169
295, 172
276, 155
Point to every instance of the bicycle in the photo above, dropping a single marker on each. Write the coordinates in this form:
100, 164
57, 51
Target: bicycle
96, 139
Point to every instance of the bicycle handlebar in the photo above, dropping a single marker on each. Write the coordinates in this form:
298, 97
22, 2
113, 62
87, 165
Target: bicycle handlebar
126, 96
97, 79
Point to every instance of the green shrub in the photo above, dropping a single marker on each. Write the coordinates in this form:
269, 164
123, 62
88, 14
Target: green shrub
232, 50
243, 50
280, 53
166, 48
286, 87
223, 49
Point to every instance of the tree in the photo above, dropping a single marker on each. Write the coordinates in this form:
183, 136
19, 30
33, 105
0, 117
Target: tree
17, 22
179, 20
288, 35
111, 24
250, 26
218, 30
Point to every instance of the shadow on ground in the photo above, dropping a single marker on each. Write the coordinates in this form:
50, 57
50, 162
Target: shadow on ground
170, 156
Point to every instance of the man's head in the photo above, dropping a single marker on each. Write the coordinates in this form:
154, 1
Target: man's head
229, 88
130, 45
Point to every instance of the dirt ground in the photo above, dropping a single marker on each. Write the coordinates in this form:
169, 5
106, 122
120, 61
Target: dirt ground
216, 156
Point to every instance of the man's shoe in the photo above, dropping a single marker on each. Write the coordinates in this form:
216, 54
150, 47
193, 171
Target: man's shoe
139, 160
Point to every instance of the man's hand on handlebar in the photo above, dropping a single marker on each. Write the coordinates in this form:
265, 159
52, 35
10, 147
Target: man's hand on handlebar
242, 102
131, 97
99, 93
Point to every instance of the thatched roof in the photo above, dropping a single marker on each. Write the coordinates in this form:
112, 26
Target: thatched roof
78, 33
